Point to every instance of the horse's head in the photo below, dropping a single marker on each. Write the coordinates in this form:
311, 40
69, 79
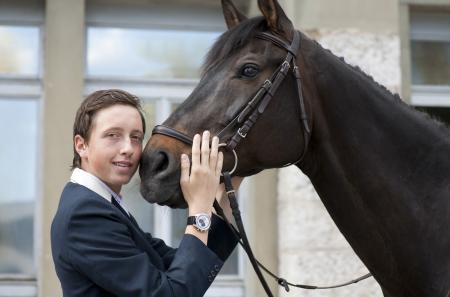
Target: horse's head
235, 72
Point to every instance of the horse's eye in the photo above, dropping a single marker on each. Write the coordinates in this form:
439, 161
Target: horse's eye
249, 70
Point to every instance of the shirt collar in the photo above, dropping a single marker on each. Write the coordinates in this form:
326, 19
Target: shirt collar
93, 183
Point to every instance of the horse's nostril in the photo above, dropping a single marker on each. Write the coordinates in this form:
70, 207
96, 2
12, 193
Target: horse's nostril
160, 162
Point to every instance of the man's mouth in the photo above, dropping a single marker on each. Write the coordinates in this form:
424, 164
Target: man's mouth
123, 164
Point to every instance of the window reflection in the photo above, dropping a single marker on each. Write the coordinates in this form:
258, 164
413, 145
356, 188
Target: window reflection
137, 53
430, 62
19, 49
18, 156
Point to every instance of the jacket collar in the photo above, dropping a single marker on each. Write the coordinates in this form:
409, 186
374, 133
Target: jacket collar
93, 183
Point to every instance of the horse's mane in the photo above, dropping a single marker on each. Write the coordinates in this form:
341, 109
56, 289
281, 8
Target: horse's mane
395, 97
233, 40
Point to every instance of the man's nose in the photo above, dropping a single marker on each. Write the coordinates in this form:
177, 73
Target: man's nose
127, 146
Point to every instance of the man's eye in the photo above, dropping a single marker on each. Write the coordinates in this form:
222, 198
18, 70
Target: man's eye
249, 71
113, 135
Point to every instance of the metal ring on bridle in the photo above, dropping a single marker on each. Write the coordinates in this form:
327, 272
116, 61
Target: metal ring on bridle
235, 158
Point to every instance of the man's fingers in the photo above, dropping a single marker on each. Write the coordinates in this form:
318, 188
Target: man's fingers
205, 149
185, 164
196, 150
214, 153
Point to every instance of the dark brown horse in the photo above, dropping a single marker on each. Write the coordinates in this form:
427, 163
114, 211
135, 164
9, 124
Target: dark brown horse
381, 168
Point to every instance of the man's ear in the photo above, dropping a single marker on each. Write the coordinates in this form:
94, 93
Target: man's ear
233, 16
276, 19
80, 145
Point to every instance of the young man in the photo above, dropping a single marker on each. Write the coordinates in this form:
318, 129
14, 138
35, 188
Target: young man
98, 248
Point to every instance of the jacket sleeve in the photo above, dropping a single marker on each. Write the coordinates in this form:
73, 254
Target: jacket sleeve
99, 245
167, 253
221, 241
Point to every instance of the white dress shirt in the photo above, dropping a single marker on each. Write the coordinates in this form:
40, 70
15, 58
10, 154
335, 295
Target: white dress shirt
93, 183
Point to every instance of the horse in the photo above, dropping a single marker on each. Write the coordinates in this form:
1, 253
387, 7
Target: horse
380, 167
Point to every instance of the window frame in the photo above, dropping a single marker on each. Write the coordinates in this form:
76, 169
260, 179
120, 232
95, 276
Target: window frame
26, 87
421, 95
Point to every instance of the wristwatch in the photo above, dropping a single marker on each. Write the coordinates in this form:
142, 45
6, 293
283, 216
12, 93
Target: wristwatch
201, 221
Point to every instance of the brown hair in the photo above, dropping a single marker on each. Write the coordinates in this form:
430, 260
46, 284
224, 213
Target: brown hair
91, 105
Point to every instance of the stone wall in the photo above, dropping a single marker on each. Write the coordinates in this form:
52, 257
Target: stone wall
311, 249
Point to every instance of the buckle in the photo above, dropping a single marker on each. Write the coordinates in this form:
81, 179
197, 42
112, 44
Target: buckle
243, 135
285, 66
267, 84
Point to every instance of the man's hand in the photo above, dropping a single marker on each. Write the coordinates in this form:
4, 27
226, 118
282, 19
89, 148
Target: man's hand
200, 186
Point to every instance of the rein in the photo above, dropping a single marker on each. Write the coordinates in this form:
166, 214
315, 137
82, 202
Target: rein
246, 119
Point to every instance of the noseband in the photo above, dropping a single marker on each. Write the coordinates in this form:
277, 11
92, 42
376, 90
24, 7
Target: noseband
257, 105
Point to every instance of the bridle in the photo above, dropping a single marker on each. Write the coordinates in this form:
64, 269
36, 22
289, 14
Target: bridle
254, 108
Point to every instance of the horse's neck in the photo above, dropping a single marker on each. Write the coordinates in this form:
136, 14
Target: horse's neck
374, 156
378, 143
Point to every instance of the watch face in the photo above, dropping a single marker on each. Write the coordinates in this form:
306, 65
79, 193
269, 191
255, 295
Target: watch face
202, 222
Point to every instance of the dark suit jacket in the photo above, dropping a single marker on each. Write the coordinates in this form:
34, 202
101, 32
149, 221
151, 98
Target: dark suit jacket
99, 251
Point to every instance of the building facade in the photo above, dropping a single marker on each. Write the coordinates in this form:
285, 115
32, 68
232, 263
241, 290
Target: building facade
55, 52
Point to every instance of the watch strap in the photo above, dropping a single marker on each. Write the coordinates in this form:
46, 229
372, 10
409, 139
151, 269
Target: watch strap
191, 220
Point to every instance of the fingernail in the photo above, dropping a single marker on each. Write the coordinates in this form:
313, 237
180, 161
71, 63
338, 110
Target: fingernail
183, 157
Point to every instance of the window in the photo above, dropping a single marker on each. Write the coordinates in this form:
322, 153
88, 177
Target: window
431, 62
161, 65
20, 108
430, 57
140, 53
19, 49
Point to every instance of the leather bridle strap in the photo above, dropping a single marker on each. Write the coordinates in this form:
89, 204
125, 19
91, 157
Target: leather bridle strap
167, 131
242, 234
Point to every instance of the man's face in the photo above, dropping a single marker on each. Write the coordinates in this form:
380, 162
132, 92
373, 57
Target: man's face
115, 145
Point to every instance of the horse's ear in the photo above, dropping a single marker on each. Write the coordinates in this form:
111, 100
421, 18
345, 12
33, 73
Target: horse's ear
233, 16
275, 17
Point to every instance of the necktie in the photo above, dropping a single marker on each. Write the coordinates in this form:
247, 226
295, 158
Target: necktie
129, 216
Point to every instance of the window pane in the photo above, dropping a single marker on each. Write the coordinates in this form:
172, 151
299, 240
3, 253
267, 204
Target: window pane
137, 53
179, 218
140, 208
430, 62
18, 156
149, 114
19, 50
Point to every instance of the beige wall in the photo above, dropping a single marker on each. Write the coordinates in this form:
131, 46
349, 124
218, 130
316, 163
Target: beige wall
367, 15
63, 85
